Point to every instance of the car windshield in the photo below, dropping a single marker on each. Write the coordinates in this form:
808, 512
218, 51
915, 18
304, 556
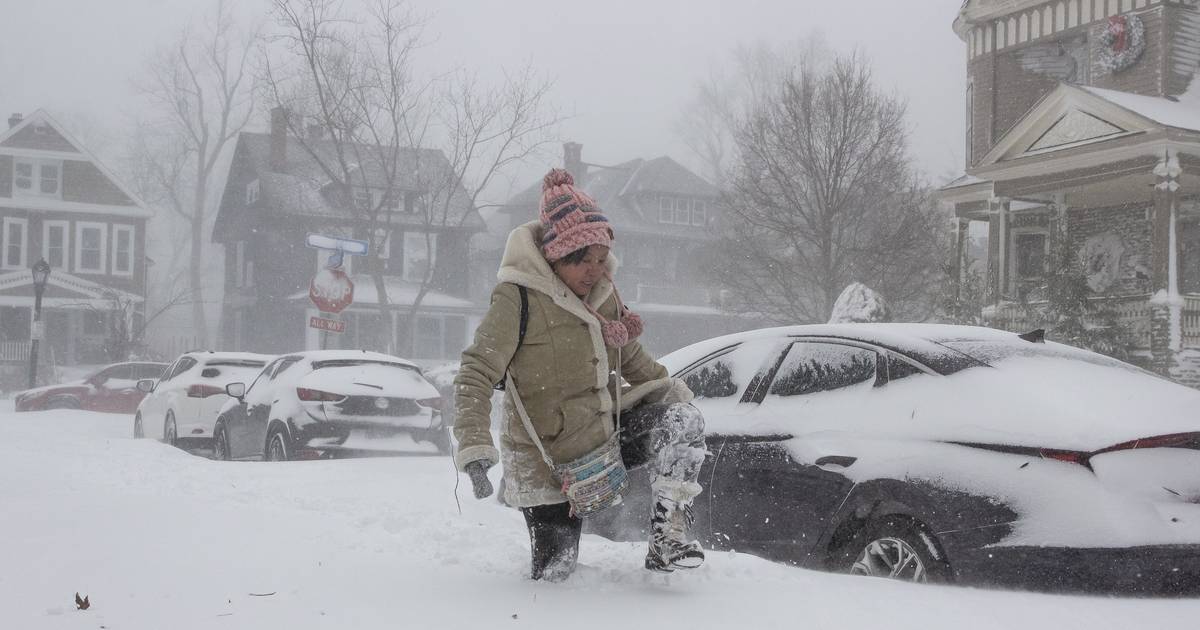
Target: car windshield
332, 363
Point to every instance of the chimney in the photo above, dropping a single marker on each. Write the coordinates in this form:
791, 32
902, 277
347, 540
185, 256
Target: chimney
279, 138
573, 159
14, 120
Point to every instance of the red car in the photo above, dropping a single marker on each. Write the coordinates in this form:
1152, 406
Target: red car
112, 389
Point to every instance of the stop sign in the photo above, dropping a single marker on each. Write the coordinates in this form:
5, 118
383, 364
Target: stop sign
331, 290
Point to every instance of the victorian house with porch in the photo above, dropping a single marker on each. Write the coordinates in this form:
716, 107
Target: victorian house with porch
277, 194
1083, 132
60, 204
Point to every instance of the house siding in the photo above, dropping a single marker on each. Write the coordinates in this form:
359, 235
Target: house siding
45, 140
1146, 75
1183, 57
6, 175
83, 182
1127, 222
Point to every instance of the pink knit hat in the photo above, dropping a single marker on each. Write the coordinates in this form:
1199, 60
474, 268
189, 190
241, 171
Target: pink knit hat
570, 218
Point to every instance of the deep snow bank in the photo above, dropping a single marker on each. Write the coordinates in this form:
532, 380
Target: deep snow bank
161, 539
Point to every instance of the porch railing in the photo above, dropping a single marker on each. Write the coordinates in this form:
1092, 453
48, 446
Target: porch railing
14, 351
1133, 312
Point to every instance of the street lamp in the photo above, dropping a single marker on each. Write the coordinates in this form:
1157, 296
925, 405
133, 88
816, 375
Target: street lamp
41, 273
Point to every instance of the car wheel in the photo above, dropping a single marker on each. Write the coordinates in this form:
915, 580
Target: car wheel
277, 449
898, 548
138, 431
221, 444
170, 431
63, 402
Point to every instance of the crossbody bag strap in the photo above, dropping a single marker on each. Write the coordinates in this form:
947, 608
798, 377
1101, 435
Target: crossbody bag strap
512, 391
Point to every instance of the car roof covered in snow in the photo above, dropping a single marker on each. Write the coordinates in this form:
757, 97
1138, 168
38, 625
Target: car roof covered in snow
208, 356
921, 341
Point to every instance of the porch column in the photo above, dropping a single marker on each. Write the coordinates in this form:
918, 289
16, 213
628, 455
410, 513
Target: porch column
997, 249
961, 227
1060, 238
1166, 305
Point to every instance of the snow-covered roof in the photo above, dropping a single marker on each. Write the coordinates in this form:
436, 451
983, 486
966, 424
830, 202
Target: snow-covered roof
1183, 113
963, 181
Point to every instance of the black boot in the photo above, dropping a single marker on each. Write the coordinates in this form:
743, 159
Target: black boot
553, 541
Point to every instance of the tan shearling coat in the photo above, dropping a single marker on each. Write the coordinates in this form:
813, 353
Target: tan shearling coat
561, 371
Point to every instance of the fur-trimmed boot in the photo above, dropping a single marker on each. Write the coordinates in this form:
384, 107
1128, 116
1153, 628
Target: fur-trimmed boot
671, 546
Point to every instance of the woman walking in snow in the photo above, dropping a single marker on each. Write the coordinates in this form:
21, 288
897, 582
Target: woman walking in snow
558, 329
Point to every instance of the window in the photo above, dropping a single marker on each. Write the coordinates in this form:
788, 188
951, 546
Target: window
428, 338
899, 368
90, 247
54, 243
383, 242
683, 212
699, 213
812, 367
252, 190
362, 198
148, 370
122, 262
15, 241
414, 202
420, 252
239, 264
40, 178
182, 365
95, 323
1030, 255
733, 374
666, 210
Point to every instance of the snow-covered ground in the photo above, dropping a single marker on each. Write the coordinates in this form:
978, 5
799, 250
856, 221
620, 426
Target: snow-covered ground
158, 538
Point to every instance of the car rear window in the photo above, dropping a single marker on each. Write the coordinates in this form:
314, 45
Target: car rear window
213, 369
330, 363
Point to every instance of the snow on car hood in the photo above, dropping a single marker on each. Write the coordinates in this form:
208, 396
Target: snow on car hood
1023, 401
48, 388
370, 380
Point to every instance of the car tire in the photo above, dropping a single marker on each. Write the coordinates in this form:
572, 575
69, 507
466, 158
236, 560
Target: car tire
277, 448
139, 431
170, 430
221, 444
899, 548
63, 402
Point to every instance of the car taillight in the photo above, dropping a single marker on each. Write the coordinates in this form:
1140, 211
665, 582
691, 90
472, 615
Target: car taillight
316, 395
435, 403
1071, 457
1173, 440
204, 391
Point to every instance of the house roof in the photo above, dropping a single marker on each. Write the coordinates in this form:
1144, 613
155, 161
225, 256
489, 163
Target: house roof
299, 188
68, 148
621, 191
1181, 113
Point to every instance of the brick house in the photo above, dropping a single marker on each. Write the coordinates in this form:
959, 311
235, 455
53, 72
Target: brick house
1083, 132
276, 194
59, 203
661, 213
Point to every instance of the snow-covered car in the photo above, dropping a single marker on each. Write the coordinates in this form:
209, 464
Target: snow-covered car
323, 403
113, 388
942, 453
181, 407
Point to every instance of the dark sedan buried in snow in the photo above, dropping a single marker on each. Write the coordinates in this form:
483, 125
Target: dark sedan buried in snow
324, 403
943, 453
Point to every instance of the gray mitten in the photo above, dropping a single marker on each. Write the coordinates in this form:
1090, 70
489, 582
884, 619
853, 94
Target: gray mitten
477, 470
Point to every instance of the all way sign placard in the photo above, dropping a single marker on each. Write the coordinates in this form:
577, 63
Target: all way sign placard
326, 324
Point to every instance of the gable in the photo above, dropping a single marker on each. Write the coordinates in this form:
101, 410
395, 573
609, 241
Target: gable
40, 135
1067, 117
1074, 127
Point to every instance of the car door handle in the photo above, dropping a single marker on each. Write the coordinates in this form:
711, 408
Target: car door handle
837, 460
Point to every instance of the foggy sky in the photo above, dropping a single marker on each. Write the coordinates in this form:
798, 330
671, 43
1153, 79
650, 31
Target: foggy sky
623, 68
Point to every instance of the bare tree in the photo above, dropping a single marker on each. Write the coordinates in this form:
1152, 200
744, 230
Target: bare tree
821, 193
393, 148
201, 89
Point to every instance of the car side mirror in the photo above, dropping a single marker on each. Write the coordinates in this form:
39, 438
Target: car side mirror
236, 390
145, 385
